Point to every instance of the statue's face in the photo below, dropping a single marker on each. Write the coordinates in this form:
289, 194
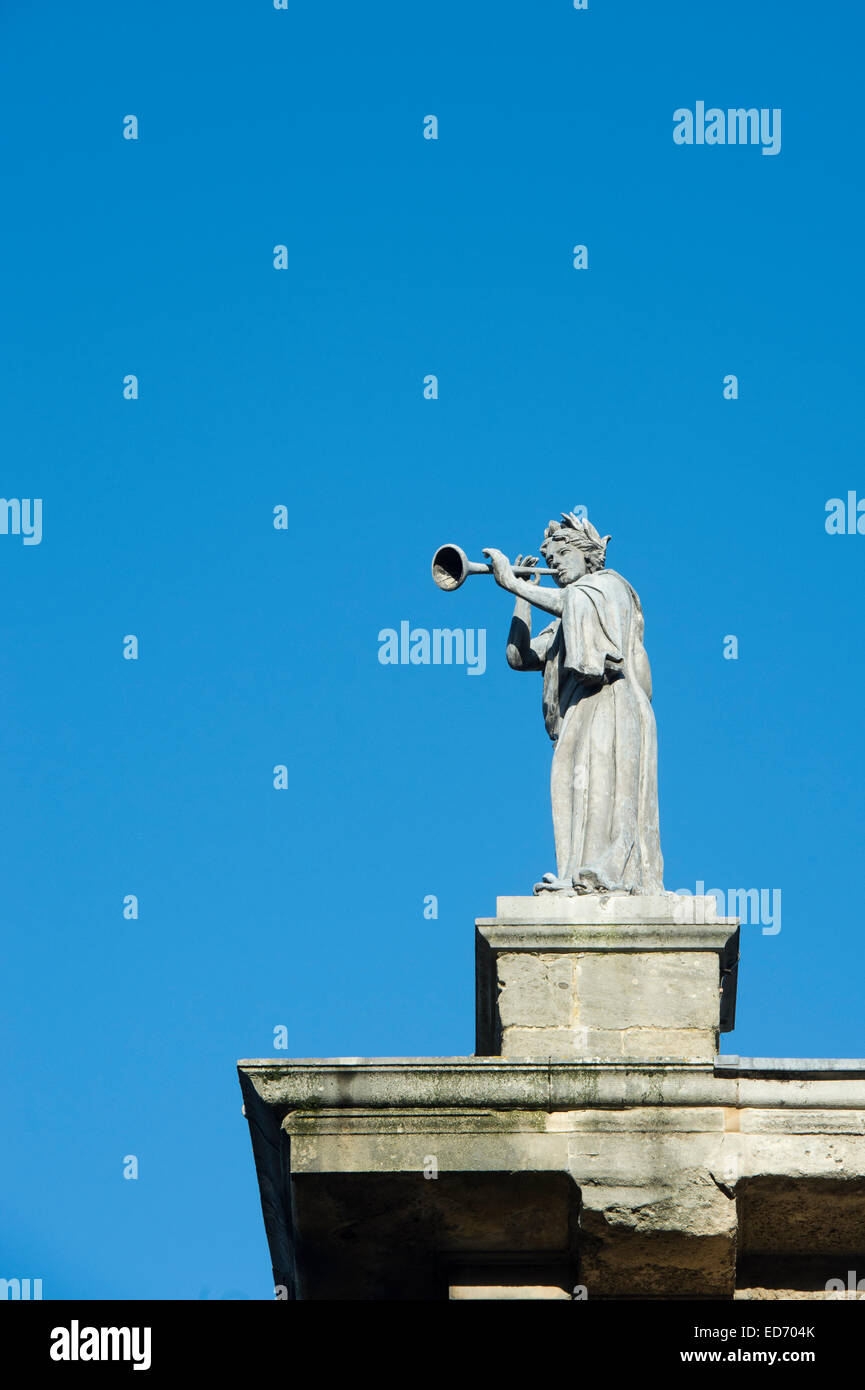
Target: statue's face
566, 560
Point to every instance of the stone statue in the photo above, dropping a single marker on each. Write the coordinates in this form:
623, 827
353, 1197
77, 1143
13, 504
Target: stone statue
597, 709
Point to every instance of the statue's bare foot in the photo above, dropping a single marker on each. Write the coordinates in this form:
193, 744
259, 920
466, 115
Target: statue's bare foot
551, 884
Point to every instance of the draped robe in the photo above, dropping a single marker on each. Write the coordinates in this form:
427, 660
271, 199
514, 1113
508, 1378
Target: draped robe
597, 710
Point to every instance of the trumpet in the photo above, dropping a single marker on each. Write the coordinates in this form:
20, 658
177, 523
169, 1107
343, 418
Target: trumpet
451, 567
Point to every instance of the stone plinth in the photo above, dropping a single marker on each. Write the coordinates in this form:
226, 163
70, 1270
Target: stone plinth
609, 977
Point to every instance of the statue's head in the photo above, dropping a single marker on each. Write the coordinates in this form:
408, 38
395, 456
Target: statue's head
572, 548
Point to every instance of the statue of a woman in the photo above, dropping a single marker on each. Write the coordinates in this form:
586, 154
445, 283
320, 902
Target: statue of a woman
597, 710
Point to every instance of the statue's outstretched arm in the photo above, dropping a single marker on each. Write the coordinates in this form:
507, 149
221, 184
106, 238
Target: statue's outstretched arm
550, 600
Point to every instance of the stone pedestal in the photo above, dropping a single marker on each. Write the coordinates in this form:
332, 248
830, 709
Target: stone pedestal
607, 977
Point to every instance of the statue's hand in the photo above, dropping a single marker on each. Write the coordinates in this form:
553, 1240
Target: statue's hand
501, 568
525, 562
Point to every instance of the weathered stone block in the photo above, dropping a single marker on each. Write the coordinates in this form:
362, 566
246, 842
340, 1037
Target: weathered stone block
562, 1044
676, 1044
642, 989
536, 991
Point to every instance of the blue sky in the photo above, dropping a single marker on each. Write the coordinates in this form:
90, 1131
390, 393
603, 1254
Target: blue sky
258, 647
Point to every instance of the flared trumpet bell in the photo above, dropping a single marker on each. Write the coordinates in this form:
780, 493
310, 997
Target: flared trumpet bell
451, 568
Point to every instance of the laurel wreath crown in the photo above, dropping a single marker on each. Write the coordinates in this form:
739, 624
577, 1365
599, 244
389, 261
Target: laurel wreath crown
590, 534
